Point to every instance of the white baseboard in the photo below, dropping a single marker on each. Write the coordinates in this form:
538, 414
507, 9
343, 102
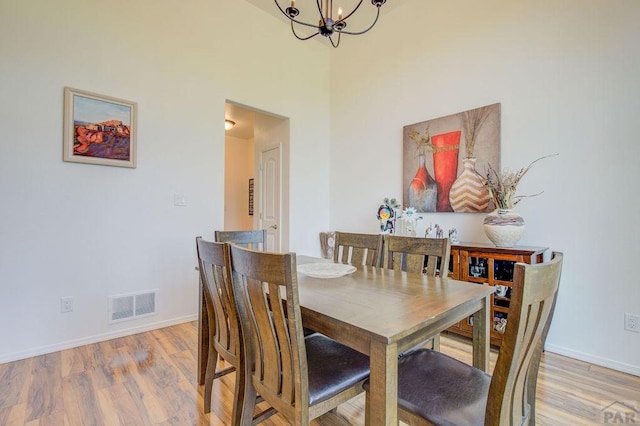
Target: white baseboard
603, 362
15, 356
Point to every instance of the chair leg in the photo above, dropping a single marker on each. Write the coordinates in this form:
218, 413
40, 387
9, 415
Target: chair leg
248, 403
238, 395
210, 375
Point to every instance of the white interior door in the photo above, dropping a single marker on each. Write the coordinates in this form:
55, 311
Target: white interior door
270, 174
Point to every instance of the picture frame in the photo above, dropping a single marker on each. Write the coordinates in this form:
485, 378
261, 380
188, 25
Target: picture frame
99, 129
445, 159
250, 197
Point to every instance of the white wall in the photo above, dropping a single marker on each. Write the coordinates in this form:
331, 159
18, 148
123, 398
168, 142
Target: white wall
566, 74
89, 231
238, 169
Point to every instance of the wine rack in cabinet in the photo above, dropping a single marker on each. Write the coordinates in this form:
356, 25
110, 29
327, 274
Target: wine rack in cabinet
485, 264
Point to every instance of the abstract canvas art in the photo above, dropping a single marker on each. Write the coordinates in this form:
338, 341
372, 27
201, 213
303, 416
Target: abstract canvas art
444, 160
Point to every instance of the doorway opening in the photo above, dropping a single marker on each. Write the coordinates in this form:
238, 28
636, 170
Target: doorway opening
257, 156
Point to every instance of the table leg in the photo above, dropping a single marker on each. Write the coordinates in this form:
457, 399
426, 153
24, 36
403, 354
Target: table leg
481, 336
382, 407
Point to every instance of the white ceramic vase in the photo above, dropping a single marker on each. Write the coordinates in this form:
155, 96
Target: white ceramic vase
504, 227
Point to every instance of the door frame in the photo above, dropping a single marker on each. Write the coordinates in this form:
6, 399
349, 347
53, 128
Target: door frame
269, 127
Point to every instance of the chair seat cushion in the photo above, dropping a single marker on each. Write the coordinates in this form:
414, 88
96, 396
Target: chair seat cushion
441, 389
332, 367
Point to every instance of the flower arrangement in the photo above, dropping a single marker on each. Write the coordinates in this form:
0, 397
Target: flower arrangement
502, 185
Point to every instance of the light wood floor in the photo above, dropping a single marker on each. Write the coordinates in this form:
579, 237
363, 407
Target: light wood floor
150, 379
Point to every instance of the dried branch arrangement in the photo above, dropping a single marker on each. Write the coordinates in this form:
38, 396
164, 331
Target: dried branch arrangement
422, 141
473, 121
502, 186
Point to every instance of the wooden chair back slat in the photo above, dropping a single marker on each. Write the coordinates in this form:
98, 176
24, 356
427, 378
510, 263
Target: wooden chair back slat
358, 249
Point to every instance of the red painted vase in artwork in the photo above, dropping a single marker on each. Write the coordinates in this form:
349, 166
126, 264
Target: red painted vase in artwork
445, 166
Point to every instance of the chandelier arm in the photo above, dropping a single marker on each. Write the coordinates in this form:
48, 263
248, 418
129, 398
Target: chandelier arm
293, 19
335, 45
302, 38
353, 11
364, 31
320, 12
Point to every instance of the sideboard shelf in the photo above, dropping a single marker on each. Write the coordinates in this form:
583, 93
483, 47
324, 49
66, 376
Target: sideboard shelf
486, 264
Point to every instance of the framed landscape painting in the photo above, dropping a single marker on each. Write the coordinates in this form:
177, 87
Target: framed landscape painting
99, 129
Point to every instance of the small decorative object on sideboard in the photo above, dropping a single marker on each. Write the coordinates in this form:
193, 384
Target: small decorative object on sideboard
387, 215
503, 226
427, 232
453, 235
409, 219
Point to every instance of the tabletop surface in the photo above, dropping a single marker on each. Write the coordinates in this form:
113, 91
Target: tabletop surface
382, 302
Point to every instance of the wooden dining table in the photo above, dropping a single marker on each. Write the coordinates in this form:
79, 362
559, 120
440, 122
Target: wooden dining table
383, 313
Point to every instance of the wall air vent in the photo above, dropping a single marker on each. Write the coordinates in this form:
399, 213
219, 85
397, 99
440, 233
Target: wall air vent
124, 307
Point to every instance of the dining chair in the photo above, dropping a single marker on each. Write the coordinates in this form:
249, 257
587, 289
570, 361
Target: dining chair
327, 244
358, 249
418, 255
224, 340
301, 378
434, 388
256, 239
223, 324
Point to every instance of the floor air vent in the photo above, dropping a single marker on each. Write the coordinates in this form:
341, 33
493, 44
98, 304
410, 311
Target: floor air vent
126, 307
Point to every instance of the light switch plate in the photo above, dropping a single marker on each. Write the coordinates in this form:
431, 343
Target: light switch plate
179, 200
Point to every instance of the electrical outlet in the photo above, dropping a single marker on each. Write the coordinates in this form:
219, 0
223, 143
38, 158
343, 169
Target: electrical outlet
66, 304
632, 322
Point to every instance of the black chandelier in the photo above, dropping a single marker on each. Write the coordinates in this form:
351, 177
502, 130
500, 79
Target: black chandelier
327, 25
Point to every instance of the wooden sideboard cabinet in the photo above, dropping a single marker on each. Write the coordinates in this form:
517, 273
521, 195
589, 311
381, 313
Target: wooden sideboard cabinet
489, 265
